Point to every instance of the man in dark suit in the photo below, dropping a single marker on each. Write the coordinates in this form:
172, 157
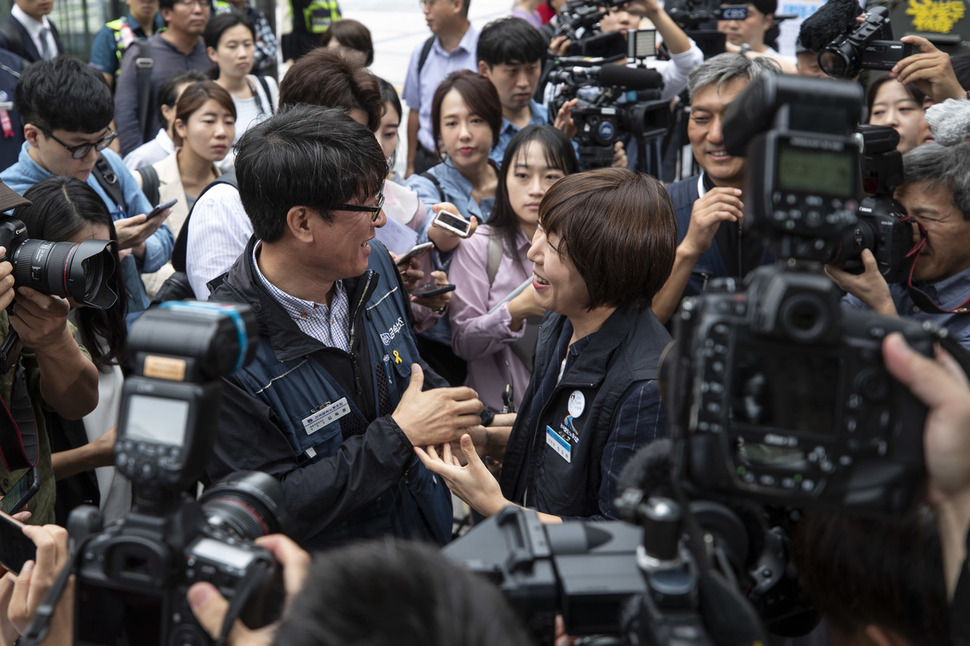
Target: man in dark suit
28, 33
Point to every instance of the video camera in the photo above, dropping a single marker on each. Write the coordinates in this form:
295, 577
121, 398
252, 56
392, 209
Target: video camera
777, 393
867, 46
133, 575
614, 101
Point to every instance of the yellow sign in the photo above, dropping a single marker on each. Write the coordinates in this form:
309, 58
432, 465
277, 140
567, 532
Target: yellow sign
929, 15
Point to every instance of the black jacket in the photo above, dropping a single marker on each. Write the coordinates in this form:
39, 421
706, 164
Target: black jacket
24, 45
622, 355
357, 476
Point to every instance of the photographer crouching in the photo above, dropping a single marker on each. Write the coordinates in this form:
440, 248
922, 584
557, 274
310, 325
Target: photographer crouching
936, 193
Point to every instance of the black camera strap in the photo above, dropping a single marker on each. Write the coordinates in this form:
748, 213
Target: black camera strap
923, 300
19, 446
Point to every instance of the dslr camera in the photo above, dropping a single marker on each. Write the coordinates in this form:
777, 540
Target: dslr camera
132, 576
777, 393
66, 269
867, 46
882, 225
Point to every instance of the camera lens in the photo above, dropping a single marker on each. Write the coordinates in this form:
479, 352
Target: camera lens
805, 317
247, 503
833, 63
67, 269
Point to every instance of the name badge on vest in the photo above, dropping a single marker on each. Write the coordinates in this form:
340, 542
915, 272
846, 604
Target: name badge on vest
559, 444
326, 415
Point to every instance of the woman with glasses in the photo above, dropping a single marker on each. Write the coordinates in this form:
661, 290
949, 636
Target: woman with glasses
205, 117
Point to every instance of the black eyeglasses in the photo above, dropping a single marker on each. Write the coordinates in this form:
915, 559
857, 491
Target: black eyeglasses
80, 152
375, 211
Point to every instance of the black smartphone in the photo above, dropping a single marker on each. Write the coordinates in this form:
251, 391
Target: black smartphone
161, 207
416, 251
15, 548
454, 223
432, 289
21, 492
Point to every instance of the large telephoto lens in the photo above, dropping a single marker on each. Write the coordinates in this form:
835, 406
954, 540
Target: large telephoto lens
64, 269
248, 503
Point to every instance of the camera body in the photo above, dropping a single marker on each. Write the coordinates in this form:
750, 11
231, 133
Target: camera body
882, 225
67, 269
867, 46
132, 576
780, 395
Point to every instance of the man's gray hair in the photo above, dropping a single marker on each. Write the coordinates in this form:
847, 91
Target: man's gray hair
945, 168
727, 67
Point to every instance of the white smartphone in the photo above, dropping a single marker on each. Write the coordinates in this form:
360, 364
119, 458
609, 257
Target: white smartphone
454, 223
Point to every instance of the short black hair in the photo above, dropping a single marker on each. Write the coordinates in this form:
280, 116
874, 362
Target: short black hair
478, 93
218, 25
325, 78
510, 40
603, 219
414, 595
168, 90
886, 572
64, 93
305, 156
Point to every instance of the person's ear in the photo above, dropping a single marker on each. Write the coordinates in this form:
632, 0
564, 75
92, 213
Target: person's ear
180, 128
31, 133
484, 69
298, 222
769, 20
211, 51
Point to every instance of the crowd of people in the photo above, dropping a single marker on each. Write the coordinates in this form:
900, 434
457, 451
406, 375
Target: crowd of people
516, 362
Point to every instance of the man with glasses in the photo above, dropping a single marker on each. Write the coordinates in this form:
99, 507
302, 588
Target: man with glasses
66, 109
936, 193
451, 47
333, 402
176, 49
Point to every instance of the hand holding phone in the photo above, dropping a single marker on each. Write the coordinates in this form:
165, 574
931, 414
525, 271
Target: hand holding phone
157, 211
432, 289
453, 222
417, 251
21, 492
15, 548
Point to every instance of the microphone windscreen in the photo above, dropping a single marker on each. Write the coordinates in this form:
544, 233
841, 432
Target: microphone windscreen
632, 78
823, 26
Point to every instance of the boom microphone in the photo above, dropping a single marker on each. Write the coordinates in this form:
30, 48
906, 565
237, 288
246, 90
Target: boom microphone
609, 76
630, 77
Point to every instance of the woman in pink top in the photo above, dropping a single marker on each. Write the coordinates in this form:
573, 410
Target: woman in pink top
488, 329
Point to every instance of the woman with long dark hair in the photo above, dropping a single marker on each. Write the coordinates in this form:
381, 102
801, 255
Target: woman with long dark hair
65, 209
492, 327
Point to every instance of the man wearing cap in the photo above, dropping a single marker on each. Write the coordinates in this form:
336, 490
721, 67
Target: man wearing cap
45, 369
